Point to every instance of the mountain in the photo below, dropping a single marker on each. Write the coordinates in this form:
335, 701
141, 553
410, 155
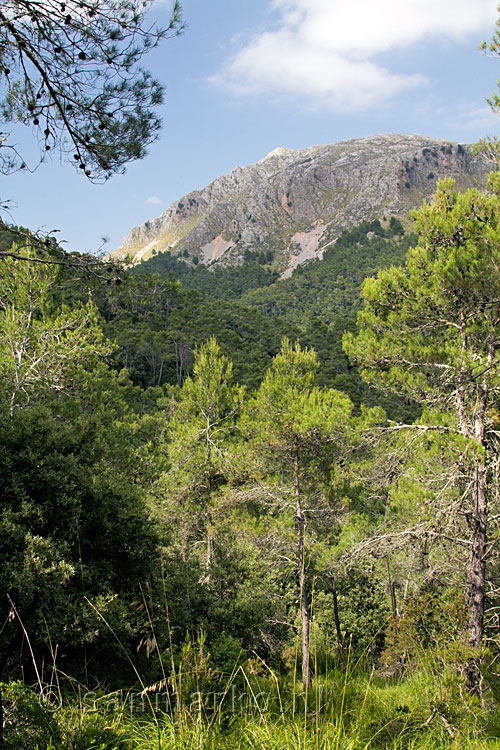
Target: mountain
293, 204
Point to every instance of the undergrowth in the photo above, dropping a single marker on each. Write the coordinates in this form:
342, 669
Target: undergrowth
255, 709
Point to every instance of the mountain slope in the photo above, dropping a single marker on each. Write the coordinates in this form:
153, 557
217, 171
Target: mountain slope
295, 204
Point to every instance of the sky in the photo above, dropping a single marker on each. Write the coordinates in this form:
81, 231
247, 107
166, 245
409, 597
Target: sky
248, 76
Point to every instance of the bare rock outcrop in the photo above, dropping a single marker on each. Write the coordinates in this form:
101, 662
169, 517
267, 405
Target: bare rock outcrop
296, 203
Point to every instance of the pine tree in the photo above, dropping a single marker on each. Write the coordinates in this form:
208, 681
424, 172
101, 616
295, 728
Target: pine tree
72, 71
431, 330
202, 429
298, 431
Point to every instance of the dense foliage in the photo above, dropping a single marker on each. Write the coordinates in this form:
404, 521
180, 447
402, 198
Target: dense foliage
201, 501
219, 282
328, 288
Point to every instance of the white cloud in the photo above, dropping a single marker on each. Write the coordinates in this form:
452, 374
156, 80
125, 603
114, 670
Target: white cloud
476, 119
153, 201
325, 50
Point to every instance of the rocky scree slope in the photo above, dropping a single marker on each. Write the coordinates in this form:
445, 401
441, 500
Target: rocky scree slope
297, 202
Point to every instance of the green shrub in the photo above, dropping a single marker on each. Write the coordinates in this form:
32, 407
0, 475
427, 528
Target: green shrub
28, 723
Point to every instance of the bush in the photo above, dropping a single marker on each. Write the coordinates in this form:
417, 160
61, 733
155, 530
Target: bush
432, 619
28, 723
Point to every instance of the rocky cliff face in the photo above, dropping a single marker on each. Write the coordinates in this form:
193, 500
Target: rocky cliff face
296, 203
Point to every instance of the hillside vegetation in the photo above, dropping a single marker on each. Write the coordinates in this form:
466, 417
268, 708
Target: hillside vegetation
239, 511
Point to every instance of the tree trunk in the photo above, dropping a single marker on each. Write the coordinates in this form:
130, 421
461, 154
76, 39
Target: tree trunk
340, 640
304, 614
476, 576
476, 571
336, 614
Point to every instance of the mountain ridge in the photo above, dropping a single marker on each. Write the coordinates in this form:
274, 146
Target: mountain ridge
296, 203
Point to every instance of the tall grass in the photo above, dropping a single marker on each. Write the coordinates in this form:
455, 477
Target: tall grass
197, 707
256, 709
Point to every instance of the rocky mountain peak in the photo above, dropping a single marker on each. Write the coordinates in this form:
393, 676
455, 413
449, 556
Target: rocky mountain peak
295, 203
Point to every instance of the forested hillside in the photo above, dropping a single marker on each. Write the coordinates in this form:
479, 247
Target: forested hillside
235, 514
316, 305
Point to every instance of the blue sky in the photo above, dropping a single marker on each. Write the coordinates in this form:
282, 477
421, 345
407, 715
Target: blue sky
248, 76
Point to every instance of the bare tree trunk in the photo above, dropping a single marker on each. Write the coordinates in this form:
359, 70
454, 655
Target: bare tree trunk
476, 571
336, 613
476, 576
336, 617
210, 551
304, 614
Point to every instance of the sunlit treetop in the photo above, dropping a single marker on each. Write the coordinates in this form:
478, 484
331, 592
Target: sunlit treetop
71, 70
